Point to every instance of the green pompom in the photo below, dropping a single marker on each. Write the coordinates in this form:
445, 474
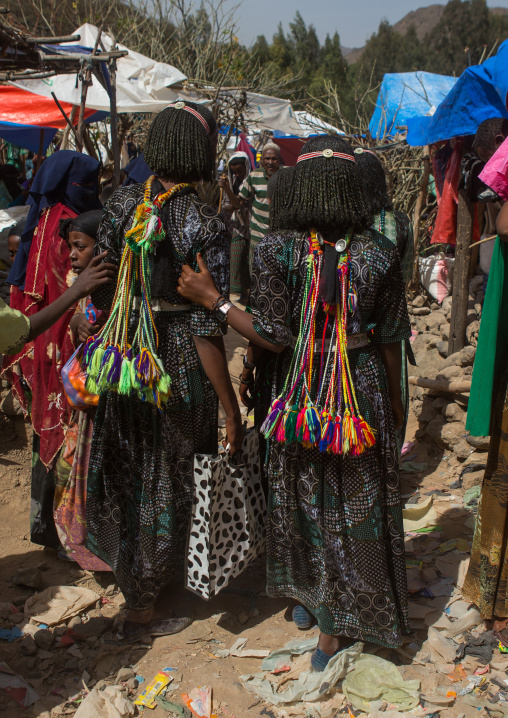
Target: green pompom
124, 385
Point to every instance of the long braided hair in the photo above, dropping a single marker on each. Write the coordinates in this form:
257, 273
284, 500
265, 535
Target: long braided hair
373, 181
326, 193
178, 147
278, 188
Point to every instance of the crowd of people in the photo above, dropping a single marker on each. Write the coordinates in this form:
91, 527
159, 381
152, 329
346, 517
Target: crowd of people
320, 258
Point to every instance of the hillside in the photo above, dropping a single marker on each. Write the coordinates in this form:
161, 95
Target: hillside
424, 21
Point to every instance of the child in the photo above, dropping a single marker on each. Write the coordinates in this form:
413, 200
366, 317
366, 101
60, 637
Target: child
72, 466
14, 238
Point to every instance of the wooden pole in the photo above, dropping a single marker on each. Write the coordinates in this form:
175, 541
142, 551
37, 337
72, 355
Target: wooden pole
424, 184
114, 127
70, 126
460, 294
86, 81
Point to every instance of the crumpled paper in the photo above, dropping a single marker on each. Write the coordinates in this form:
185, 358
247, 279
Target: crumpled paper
373, 679
110, 702
420, 516
58, 603
310, 686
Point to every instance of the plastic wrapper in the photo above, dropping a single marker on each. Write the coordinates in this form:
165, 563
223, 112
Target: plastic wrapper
310, 686
374, 679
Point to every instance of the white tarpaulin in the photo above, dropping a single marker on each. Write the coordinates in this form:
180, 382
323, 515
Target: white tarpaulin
137, 78
261, 112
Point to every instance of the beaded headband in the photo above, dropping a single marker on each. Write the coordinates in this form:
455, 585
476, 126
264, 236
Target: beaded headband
183, 106
327, 154
361, 150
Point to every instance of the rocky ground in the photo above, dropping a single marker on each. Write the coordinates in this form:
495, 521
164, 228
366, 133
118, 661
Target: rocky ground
450, 662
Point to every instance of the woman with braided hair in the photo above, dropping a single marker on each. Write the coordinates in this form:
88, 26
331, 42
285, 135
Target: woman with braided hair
159, 364
335, 539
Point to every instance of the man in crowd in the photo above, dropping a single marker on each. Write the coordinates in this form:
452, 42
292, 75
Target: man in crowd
254, 191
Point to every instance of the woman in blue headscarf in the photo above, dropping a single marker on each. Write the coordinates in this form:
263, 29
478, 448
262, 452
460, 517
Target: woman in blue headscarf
66, 185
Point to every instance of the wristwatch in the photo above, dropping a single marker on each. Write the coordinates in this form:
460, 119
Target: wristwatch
247, 364
222, 311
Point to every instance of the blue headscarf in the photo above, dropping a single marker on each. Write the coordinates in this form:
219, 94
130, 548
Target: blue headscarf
137, 171
59, 180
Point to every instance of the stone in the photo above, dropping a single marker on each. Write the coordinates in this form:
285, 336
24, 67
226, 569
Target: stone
427, 413
423, 342
440, 402
111, 590
476, 284
17, 617
95, 627
472, 331
244, 616
480, 443
434, 428
433, 321
418, 301
467, 356
59, 631
434, 305
442, 348
28, 577
10, 406
462, 450
125, 674
44, 639
453, 412
449, 373
28, 647
444, 331
447, 305
451, 434
132, 684
75, 621
472, 478
421, 311
452, 360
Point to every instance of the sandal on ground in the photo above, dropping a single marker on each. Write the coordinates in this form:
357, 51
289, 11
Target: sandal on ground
302, 618
133, 632
320, 660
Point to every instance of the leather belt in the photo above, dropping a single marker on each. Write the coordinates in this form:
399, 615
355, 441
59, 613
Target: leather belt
160, 305
355, 341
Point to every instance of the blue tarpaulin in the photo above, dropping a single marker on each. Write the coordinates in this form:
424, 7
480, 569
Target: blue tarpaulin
405, 95
480, 93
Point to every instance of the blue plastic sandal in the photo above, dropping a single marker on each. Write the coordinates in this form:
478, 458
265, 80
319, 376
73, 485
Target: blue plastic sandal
302, 618
320, 660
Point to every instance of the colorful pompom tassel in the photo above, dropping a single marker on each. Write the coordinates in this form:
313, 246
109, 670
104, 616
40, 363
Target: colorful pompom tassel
271, 422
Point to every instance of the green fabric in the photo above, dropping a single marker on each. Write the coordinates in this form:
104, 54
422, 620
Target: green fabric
492, 342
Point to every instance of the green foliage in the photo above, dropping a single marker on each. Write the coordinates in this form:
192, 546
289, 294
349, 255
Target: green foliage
465, 35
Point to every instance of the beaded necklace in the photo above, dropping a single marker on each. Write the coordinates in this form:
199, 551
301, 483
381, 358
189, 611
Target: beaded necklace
110, 362
317, 406
382, 221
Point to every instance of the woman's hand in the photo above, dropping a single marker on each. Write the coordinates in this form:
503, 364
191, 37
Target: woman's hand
224, 182
234, 432
246, 386
82, 328
199, 286
94, 276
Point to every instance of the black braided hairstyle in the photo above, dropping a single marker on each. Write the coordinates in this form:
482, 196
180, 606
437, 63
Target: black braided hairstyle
326, 193
278, 188
178, 148
373, 181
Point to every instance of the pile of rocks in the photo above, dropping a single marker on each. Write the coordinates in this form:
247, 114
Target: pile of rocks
442, 415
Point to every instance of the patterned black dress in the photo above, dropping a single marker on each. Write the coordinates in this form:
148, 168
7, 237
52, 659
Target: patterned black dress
334, 528
141, 461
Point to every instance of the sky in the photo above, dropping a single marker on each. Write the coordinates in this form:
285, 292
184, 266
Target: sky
354, 20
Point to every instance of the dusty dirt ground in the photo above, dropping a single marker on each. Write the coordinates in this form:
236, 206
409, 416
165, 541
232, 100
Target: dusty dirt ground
243, 610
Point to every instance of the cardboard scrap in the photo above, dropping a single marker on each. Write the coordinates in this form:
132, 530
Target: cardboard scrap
239, 651
58, 603
420, 516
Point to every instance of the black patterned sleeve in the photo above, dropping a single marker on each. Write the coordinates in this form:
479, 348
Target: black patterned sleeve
107, 241
215, 248
270, 296
391, 317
